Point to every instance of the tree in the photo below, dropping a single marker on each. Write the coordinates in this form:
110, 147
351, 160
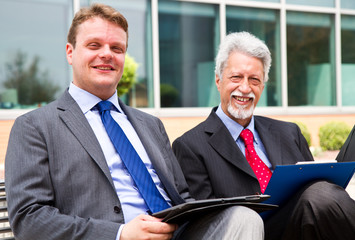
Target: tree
129, 75
33, 85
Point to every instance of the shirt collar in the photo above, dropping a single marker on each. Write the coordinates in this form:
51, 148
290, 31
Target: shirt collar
233, 127
87, 101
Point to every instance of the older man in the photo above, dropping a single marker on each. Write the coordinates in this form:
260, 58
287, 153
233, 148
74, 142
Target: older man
233, 152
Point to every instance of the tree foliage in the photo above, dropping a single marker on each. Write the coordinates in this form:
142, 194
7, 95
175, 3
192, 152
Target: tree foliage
129, 75
33, 85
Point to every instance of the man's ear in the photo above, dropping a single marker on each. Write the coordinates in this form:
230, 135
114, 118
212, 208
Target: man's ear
217, 81
69, 52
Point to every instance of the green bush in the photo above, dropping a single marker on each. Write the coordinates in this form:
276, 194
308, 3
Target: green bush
168, 95
332, 135
129, 75
305, 132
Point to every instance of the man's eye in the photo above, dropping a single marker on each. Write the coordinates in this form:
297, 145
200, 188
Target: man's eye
236, 78
93, 45
117, 50
255, 81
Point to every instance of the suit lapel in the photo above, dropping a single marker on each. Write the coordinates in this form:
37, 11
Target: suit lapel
221, 140
270, 137
74, 119
154, 151
143, 131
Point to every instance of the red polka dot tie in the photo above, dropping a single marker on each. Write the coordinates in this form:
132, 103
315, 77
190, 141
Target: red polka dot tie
261, 171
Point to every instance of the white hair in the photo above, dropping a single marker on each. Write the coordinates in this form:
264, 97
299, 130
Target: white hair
245, 43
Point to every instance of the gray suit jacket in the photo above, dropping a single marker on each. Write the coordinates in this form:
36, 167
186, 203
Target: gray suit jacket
57, 180
215, 167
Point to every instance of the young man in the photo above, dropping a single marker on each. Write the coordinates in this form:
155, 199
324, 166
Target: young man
67, 176
233, 152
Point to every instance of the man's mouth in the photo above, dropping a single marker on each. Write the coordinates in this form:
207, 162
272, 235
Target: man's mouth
105, 68
242, 99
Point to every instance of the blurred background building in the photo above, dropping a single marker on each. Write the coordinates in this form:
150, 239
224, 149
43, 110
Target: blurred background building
175, 43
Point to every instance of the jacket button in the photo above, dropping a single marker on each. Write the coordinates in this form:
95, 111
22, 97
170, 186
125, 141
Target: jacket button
116, 209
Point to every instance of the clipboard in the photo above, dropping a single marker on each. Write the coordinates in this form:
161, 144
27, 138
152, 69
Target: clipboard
183, 212
288, 179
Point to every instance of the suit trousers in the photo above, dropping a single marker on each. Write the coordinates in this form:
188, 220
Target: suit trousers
321, 210
235, 222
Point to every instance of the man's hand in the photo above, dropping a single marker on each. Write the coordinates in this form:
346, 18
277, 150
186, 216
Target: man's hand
147, 227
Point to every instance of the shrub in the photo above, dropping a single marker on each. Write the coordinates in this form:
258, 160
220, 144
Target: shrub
168, 95
128, 77
332, 135
305, 132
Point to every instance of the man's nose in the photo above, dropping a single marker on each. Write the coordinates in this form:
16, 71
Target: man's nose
106, 52
244, 86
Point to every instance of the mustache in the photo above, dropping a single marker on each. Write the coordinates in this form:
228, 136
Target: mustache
237, 93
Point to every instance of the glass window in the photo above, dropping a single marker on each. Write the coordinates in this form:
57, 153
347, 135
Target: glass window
138, 15
310, 59
275, 1
350, 4
33, 65
188, 40
320, 3
348, 60
265, 25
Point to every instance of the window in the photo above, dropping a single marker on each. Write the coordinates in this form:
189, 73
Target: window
265, 25
348, 60
33, 65
349, 4
310, 59
188, 39
320, 3
275, 1
34, 70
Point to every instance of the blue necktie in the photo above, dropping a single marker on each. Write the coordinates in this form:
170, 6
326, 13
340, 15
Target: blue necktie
135, 166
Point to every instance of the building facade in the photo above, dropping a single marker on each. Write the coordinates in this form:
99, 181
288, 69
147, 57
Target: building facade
312, 43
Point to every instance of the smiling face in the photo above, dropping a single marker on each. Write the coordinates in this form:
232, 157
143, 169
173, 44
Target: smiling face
241, 86
98, 57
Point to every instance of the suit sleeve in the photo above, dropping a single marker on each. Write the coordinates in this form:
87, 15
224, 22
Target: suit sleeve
347, 151
303, 146
179, 178
31, 197
194, 168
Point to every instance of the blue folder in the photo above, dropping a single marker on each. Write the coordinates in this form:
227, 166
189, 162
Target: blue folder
286, 180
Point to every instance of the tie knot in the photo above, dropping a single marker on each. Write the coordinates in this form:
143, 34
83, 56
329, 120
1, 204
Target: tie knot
247, 136
104, 106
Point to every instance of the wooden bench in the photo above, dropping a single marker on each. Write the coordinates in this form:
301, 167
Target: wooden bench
5, 230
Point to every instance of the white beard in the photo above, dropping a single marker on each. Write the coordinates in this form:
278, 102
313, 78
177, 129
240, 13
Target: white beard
240, 111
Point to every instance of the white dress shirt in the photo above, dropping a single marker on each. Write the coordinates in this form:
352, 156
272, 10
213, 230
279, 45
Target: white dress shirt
235, 129
131, 201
